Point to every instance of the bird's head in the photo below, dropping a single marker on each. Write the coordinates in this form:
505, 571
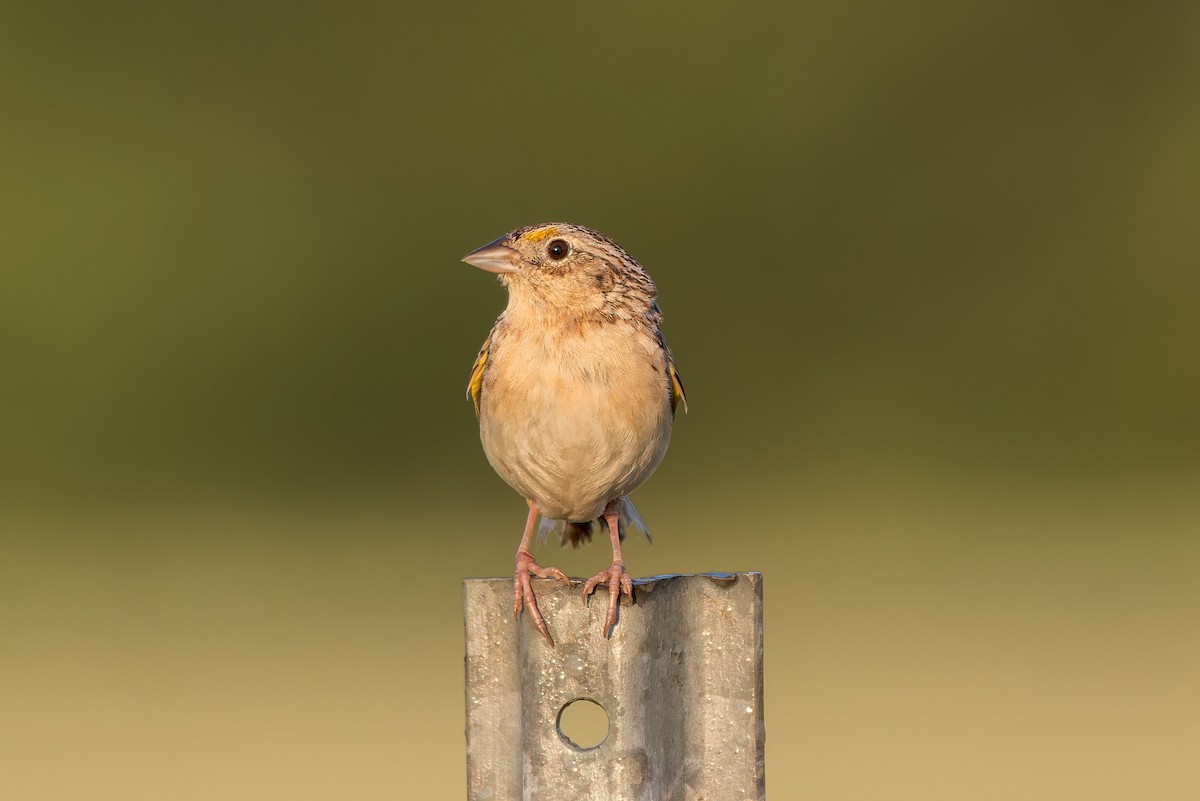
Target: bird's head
567, 267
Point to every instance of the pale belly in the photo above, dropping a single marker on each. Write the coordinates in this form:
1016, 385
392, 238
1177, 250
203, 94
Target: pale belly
571, 435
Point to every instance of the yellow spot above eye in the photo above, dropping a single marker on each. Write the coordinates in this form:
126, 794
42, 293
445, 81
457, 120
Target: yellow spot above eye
541, 233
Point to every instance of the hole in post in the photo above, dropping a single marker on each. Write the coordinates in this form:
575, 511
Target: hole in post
583, 723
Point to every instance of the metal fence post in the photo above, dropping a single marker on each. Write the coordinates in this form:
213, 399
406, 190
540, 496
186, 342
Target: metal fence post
680, 680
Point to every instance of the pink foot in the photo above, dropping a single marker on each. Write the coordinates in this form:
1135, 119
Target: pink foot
523, 589
619, 583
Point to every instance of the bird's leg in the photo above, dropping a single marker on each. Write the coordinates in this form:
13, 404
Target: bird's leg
615, 577
522, 588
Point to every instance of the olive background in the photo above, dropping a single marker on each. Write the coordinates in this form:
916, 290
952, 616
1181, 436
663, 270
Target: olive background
930, 271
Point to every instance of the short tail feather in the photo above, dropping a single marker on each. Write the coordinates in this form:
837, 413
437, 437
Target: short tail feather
576, 533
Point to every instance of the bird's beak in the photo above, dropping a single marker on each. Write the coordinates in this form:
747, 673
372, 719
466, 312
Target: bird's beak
495, 257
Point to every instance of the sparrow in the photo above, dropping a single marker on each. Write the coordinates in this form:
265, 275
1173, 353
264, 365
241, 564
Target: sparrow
575, 391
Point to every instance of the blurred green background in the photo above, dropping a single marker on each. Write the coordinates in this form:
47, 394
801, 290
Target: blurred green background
930, 271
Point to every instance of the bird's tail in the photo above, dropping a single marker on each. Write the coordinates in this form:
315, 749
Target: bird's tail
576, 533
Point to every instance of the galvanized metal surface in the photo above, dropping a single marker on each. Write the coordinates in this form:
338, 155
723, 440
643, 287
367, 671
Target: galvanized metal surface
680, 679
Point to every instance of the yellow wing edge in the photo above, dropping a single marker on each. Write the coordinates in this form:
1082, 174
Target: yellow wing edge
677, 395
475, 385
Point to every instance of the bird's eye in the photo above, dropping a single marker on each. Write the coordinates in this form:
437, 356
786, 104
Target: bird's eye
558, 249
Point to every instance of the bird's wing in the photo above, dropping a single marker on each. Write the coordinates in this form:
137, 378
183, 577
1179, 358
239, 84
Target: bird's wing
475, 386
677, 395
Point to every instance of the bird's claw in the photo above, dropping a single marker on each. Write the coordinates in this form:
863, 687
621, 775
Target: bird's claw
523, 590
619, 583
